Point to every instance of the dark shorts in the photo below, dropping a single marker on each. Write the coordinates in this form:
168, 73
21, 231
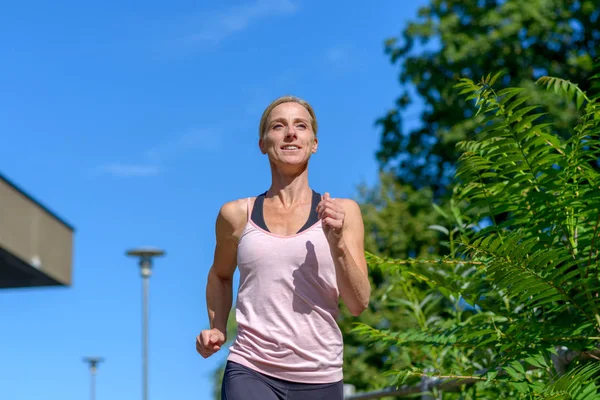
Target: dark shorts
242, 383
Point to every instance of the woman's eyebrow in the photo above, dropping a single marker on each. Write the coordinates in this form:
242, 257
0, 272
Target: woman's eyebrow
282, 119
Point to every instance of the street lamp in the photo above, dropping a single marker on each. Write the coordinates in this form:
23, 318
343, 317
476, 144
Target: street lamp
93, 361
145, 255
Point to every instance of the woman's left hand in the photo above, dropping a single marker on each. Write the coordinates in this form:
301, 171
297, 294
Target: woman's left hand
332, 215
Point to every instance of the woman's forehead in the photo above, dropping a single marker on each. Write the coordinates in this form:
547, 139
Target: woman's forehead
289, 109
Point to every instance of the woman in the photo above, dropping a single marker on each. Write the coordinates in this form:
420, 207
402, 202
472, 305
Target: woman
297, 252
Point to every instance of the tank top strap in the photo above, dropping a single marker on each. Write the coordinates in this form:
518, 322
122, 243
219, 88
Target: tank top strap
313, 217
247, 209
256, 213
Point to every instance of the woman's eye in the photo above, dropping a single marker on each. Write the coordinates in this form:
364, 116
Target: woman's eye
302, 126
277, 126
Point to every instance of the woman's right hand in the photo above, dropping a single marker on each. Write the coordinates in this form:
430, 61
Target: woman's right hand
209, 341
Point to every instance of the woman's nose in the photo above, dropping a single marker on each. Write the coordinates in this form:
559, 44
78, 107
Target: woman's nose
291, 131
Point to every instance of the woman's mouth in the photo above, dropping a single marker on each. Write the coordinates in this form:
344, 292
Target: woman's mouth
290, 148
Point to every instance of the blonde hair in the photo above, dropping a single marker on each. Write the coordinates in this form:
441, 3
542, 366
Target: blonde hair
262, 128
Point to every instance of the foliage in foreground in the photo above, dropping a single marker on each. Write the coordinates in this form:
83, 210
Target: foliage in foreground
523, 270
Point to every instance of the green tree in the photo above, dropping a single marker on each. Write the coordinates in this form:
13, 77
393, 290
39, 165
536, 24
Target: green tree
526, 317
457, 38
449, 40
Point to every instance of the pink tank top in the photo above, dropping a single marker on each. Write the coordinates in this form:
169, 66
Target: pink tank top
287, 306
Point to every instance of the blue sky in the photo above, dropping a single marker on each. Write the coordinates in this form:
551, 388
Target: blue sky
135, 122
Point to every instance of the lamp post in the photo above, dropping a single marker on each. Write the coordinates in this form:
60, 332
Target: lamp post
145, 255
93, 362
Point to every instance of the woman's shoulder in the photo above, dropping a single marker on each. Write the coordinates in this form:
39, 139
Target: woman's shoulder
235, 212
349, 205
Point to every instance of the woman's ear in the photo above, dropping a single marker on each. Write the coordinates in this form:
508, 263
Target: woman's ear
315, 145
261, 146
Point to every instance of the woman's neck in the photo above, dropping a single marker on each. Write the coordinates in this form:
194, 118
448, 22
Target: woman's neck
289, 188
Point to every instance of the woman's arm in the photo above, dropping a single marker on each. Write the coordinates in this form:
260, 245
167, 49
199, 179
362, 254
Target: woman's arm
219, 287
343, 226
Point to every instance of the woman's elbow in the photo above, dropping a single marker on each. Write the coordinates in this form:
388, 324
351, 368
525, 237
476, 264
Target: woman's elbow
358, 310
361, 305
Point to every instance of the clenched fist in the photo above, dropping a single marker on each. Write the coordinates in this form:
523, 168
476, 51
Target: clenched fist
332, 217
209, 341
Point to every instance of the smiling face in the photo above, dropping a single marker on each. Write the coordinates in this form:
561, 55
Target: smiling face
289, 138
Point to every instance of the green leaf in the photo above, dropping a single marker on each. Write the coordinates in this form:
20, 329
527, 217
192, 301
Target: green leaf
522, 387
490, 376
439, 228
496, 76
439, 210
510, 371
537, 361
580, 99
518, 367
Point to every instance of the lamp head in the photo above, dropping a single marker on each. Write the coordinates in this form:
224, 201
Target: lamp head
145, 252
93, 361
